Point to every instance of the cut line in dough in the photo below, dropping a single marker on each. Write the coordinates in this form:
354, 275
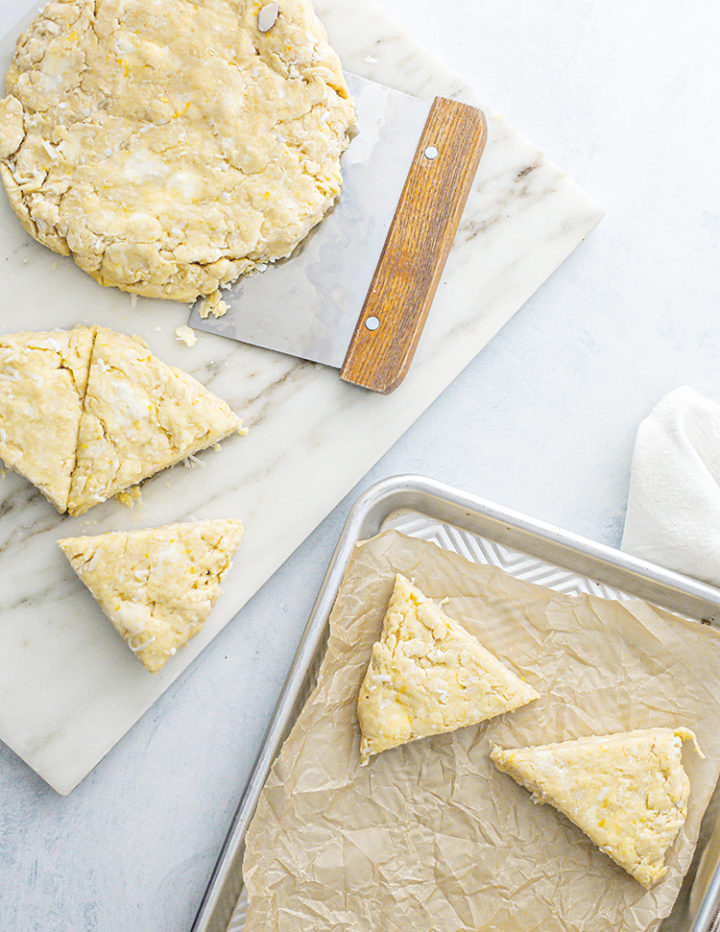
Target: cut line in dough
88, 413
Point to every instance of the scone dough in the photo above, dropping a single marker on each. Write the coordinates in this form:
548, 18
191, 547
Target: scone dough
43, 377
156, 586
170, 146
140, 416
88, 413
628, 791
428, 675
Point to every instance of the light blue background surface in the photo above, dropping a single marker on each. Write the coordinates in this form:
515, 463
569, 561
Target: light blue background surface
624, 97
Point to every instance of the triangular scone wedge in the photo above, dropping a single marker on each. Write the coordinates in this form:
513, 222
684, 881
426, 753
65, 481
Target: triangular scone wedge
156, 586
628, 791
428, 675
140, 416
43, 377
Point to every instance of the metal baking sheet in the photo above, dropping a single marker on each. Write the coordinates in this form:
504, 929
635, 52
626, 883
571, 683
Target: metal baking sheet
528, 549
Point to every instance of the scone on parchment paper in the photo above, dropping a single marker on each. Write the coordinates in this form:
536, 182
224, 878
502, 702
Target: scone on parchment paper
628, 791
156, 586
88, 413
427, 675
171, 146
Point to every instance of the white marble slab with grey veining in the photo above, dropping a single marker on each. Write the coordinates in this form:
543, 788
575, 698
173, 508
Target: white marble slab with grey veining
69, 688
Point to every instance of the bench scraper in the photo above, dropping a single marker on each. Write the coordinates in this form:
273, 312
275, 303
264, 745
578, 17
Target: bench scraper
356, 292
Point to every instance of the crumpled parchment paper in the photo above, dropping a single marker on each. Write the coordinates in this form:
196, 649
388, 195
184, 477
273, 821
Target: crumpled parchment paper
429, 837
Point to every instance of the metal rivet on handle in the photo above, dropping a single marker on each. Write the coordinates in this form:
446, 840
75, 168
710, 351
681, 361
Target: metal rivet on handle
267, 16
431, 153
372, 323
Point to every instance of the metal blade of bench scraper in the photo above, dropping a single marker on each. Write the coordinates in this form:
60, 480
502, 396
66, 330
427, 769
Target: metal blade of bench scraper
308, 305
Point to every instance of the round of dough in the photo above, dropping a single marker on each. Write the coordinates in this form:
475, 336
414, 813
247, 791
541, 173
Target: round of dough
171, 146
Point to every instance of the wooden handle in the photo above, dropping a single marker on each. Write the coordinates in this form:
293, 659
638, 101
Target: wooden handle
417, 247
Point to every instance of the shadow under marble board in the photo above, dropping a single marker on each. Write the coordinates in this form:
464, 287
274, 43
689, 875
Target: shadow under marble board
69, 687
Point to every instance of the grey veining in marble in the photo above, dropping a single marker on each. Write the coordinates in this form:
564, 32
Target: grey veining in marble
69, 689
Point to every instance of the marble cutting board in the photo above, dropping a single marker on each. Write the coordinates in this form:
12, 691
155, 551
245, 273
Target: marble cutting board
69, 688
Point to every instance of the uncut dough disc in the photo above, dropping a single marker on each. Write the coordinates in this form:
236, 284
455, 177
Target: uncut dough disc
171, 146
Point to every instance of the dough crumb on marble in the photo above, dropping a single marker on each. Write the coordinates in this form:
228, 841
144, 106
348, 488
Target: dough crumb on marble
213, 304
130, 497
186, 335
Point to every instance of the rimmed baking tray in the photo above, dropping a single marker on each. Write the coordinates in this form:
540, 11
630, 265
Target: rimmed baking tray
485, 533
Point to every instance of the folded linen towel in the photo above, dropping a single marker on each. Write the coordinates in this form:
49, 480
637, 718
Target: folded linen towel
673, 513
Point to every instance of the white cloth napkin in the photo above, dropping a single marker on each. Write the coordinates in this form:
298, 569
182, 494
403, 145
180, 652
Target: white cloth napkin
673, 514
